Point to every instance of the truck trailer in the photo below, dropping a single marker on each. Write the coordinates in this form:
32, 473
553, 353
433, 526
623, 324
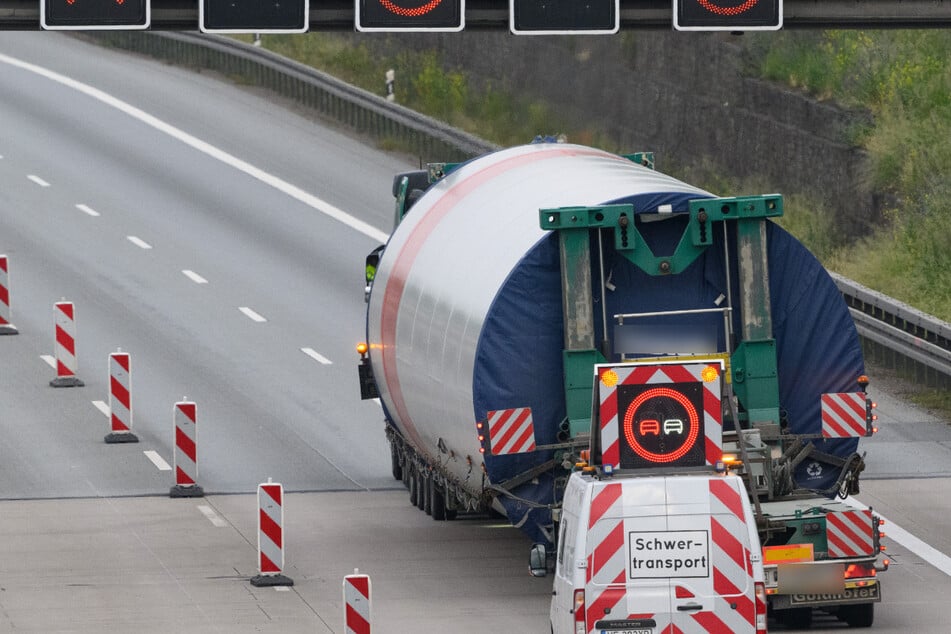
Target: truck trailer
512, 280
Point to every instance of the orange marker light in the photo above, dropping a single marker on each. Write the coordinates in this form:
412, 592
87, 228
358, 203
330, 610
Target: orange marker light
362, 348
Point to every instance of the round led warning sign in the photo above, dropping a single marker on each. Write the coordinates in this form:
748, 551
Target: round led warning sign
661, 425
722, 7
409, 9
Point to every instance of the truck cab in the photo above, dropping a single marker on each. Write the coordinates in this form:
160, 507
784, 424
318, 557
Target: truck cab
644, 554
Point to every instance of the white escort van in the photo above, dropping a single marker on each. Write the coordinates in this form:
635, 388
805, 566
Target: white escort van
658, 554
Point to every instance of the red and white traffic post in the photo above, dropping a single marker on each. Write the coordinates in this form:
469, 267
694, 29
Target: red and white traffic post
185, 426
6, 327
64, 314
356, 603
120, 398
271, 536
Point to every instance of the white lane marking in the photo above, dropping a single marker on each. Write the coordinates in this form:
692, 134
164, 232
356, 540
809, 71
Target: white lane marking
925, 551
36, 179
157, 460
250, 314
103, 407
212, 516
313, 354
50, 359
195, 277
139, 242
281, 589
86, 209
206, 148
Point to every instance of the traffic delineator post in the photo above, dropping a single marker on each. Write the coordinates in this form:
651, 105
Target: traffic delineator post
185, 428
6, 327
64, 314
271, 536
120, 398
356, 603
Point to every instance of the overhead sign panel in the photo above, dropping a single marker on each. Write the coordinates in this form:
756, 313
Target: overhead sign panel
728, 15
92, 15
564, 17
253, 16
410, 15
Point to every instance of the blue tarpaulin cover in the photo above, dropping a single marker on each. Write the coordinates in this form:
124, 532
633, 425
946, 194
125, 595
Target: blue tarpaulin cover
519, 356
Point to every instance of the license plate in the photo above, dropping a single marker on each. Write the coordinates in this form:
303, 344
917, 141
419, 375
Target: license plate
627, 631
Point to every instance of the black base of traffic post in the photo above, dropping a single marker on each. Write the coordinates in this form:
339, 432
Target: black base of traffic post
9, 329
66, 381
266, 581
186, 491
116, 437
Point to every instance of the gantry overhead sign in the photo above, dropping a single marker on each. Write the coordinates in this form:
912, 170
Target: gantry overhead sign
91, 15
253, 16
410, 15
728, 15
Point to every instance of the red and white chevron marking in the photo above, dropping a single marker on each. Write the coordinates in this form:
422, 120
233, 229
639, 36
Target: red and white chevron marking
5, 312
356, 602
843, 415
635, 374
850, 533
65, 346
732, 568
511, 431
120, 391
607, 559
185, 419
270, 528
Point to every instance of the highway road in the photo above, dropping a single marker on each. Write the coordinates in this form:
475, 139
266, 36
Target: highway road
187, 218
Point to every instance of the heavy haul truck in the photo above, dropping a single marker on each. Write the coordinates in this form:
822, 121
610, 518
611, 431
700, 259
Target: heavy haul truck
514, 281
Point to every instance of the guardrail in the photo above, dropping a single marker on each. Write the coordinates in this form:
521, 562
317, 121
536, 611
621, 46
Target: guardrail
893, 333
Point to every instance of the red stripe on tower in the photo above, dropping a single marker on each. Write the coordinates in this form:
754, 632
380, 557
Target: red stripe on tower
64, 317
120, 399
356, 601
6, 328
843, 415
271, 536
185, 426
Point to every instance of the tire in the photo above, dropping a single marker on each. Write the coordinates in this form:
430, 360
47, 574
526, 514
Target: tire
796, 618
437, 503
412, 483
420, 491
395, 463
861, 615
428, 494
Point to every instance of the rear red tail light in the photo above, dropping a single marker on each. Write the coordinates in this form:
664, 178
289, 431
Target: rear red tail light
581, 625
760, 607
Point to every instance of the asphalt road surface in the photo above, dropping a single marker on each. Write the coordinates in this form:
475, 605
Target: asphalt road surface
196, 225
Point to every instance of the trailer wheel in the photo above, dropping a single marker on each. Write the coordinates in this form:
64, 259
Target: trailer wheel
437, 503
861, 615
420, 490
428, 494
395, 462
412, 484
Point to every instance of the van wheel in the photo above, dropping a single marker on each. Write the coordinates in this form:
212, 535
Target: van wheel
861, 615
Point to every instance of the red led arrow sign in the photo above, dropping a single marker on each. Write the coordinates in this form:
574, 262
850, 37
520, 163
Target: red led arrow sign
410, 12
715, 7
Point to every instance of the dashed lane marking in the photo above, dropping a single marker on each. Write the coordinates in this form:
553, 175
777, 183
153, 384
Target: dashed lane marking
139, 242
36, 179
50, 359
86, 209
195, 277
103, 407
316, 356
212, 516
157, 460
250, 314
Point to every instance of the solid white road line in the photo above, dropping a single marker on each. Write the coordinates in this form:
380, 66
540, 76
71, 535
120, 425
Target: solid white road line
212, 516
195, 277
924, 551
157, 460
86, 209
50, 359
103, 407
139, 242
206, 148
313, 354
36, 179
250, 314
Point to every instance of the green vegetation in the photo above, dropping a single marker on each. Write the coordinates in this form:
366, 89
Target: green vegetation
902, 77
